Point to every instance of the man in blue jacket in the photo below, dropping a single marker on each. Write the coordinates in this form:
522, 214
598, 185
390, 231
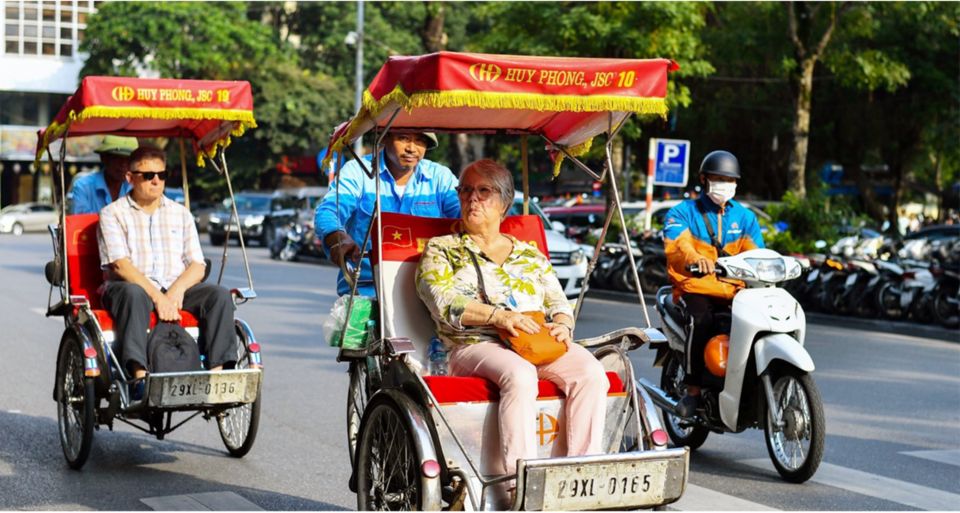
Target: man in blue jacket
409, 184
94, 191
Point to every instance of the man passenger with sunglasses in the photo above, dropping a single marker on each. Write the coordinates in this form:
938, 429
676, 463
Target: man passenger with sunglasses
409, 184
150, 249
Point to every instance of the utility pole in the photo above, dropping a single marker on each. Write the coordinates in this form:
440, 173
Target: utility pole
358, 145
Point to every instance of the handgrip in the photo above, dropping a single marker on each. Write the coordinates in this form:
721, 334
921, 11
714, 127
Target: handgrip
694, 269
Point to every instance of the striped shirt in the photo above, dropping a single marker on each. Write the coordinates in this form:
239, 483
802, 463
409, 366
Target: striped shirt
160, 246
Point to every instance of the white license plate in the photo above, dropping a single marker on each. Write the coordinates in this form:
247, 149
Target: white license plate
203, 389
602, 486
851, 279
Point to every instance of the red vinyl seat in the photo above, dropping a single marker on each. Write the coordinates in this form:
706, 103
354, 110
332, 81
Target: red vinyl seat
85, 274
454, 389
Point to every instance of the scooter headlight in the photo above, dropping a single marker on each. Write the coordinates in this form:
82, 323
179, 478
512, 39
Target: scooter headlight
770, 270
252, 221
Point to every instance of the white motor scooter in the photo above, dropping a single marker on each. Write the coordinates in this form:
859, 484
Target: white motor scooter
767, 378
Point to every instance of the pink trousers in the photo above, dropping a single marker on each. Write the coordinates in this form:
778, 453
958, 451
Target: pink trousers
578, 374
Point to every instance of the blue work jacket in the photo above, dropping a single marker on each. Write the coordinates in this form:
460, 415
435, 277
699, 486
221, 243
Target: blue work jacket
430, 192
91, 194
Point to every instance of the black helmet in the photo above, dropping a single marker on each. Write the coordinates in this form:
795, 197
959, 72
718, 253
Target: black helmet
721, 163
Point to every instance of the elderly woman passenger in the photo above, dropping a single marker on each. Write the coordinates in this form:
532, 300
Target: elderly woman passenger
518, 278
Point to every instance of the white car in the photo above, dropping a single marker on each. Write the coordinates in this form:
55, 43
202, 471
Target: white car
27, 217
567, 257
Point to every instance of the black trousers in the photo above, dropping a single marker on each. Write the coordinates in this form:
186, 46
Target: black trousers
700, 310
130, 307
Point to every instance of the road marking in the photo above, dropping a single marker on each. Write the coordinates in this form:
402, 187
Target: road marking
14, 411
950, 457
41, 311
210, 501
698, 498
864, 483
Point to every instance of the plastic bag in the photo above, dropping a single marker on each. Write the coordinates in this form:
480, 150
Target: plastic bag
362, 314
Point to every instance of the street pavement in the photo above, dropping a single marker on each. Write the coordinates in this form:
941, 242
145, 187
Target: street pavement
892, 406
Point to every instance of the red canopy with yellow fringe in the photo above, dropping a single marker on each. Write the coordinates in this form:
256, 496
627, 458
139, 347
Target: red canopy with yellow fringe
208, 112
565, 99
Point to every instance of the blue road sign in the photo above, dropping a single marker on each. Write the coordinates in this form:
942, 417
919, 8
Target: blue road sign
672, 163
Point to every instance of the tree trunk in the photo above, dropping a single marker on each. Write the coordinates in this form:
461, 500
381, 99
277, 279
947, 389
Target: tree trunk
432, 35
803, 83
938, 183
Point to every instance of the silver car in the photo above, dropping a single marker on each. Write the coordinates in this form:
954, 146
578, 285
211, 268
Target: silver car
27, 217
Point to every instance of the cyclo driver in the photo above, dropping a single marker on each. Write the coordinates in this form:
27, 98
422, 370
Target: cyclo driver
697, 232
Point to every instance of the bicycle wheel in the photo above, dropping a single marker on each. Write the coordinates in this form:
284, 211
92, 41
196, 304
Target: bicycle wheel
76, 404
356, 401
388, 471
238, 425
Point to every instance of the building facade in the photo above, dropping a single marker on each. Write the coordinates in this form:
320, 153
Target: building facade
39, 68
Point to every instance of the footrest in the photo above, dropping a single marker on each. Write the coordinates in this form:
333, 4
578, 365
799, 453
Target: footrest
612, 481
203, 388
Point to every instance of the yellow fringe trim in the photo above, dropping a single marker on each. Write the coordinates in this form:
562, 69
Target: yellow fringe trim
244, 118
576, 151
372, 108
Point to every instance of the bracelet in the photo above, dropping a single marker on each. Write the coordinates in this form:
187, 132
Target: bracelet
494, 312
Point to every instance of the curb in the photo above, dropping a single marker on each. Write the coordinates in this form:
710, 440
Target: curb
899, 328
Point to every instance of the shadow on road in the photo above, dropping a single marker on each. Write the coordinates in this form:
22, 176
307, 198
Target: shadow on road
121, 471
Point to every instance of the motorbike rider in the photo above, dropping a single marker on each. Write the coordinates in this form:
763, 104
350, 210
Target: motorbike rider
697, 232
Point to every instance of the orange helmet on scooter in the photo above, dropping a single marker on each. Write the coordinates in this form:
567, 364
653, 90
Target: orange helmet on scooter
715, 355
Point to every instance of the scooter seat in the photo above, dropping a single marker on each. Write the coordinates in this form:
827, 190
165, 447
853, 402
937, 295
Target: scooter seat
673, 310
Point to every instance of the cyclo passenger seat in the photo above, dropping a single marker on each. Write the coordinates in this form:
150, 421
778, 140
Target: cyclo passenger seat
404, 239
86, 275
675, 311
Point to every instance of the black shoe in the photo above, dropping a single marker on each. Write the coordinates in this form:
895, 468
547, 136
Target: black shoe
687, 406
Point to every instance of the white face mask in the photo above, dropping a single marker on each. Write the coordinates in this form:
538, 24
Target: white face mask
721, 192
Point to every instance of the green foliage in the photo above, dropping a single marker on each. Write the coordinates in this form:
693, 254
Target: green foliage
816, 217
202, 40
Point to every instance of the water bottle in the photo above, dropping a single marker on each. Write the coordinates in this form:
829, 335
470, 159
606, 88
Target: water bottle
438, 358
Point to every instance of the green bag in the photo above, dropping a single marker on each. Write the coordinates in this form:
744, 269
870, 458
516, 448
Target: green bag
362, 319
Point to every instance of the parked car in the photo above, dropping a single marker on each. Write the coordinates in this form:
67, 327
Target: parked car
569, 260
259, 215
202, 210
27, 217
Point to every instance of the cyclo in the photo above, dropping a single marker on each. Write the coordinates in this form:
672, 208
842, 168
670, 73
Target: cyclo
92, 387
427, 442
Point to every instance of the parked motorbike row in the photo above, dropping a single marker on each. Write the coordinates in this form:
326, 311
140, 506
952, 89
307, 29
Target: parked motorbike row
865, 275
869, 276
613, 266
293, 240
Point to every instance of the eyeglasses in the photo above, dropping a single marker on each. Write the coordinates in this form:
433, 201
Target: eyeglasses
483, 192
148, 175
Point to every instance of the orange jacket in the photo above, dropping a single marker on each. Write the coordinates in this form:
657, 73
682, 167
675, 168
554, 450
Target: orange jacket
686, 241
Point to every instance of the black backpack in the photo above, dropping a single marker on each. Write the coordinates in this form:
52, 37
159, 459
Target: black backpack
171, 349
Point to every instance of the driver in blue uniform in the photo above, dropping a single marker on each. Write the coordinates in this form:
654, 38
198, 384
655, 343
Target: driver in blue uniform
690, 240
409, 184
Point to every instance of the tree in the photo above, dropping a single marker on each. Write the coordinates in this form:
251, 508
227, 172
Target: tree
295, 109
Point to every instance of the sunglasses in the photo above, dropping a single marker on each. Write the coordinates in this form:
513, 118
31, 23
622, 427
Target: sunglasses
483, 192
148, 175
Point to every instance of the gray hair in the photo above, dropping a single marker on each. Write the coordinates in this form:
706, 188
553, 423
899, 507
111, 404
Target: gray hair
498, 175
145, 153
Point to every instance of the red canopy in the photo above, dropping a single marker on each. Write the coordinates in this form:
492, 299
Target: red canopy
564, 99
208, 112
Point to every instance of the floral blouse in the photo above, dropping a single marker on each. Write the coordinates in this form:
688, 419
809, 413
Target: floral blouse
447, 281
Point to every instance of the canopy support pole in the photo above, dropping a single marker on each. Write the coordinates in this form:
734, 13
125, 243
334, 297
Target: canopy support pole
63, 212
608, 148
183, 170
526, 176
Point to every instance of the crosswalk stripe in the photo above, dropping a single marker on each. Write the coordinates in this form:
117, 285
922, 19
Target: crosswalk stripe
950, 457
864, 483
209, 501
698, 498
